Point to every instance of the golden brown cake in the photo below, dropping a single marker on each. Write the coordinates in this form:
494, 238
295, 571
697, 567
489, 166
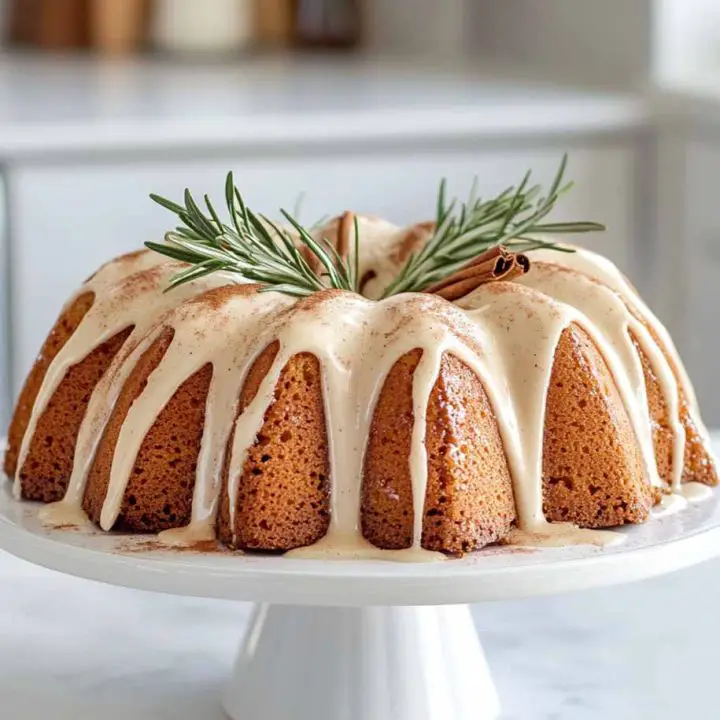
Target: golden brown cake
533, 411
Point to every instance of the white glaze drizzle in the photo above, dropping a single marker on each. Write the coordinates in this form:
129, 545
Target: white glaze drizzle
612, 321
601, 269
108, 285
669, 505
514, 329
356, 342
128, 293
690, 493
196, 342
423, 380
519, 329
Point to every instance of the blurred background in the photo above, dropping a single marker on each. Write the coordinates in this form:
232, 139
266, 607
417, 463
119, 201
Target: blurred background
366, 105
363, 105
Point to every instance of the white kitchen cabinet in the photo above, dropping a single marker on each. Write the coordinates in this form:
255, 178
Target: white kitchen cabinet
68, 219
699, 270
5, 390
684, 258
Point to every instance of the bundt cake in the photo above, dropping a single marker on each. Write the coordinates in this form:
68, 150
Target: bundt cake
535, 409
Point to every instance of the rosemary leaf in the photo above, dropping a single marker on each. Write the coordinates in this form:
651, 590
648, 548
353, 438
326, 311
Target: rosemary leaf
250, 246
259, 250
464, 232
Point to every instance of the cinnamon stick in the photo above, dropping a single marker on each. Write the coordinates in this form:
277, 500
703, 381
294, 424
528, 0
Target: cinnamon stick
493, 265
345, 227
310, 258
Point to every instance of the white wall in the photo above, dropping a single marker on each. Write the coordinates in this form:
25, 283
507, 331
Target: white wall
605, 43
4, 11
5, 389
626, 44
432, 29
686, 49
586, 41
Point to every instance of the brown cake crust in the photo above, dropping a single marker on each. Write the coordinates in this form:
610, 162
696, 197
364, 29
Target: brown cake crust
283, 499
662, 431
593, 473
49, 463
159, 492
698, 466
98, 477
469, 501
64, 327
386, 509
160, 489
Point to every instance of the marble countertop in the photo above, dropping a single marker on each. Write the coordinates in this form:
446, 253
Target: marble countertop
72, 649
77, 105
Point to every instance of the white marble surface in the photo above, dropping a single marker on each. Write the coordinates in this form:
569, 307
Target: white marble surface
648, 650
72, 649
76, 105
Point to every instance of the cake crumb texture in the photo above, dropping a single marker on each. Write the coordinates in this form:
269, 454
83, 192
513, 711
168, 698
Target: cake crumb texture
64, 327
283, 499
469, 500
593, 473
160, 488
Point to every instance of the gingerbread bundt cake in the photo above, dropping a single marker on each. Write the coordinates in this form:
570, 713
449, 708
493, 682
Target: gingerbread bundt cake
537, 409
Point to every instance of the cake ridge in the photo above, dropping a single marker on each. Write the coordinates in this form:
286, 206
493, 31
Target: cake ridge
609, 312
506, 333
523, 355
140, 310
656, 340
94, 329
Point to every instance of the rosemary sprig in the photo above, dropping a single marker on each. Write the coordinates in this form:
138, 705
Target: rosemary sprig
258, 250
251, 246
512, 219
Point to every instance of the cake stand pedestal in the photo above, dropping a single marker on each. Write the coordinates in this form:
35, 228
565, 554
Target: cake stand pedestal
375, 663
361, 640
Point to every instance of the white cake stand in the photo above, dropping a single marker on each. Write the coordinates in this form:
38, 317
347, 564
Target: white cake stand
342, 640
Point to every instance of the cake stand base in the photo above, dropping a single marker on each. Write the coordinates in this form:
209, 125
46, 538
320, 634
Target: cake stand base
344, 639
373, 663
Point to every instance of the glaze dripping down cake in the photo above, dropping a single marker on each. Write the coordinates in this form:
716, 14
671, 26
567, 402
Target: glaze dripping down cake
537, 409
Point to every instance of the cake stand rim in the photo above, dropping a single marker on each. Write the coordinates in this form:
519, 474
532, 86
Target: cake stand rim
350, 583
